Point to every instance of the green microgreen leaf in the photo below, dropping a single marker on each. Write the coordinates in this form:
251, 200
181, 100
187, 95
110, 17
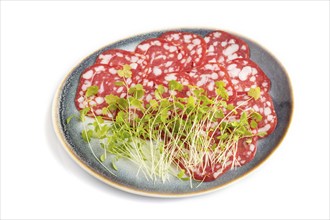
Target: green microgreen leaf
105, 110
262, 134
111, 99
120, 117
248, 140
179, 105
254, 93
230, 107
158, 96
221, 90
103, 157
219, 114
223, 136
191, 101
83, 113
99, 119
87, 135
92, 90
122, 103
175, 86
136, 103
119, 83
114, 165
256, 116
153, 103
70, 118
181, 174
160, 89
125, 72
253, 124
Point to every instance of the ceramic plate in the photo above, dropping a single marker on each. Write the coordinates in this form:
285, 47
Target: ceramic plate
126, 178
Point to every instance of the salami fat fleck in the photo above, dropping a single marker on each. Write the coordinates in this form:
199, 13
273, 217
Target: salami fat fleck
193, 43
207, 75
104, 77
117, 57
223, 47
246, 74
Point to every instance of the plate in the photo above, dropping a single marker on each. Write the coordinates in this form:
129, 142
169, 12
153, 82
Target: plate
126, 178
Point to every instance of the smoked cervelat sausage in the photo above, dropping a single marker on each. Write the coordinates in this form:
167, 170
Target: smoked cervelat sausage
189, 59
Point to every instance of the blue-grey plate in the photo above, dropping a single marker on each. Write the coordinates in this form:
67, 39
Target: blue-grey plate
125, 178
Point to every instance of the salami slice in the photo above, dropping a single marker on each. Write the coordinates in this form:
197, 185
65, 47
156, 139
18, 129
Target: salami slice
117, 57
246, 74
223, 47
144, 46
193, 43
246, 151
163, 57
267, 110
208, 74
264, 106
104, 77
210, 171
86, 79
150, 84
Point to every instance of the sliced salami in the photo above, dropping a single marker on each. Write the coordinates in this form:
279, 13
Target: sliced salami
164, 59
264, 106
144, 46
267, 110
104, 77
117, 57
193, 43
150, 84
207, 170
223, 47
246, 150
86, 79
246, 74
210, 172
207, 75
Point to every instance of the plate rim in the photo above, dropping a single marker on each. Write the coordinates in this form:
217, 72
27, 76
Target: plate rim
88, 169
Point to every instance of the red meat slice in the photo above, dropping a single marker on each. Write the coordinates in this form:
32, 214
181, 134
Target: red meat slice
244, 74
144, 46
245, 151
193, 43
267, 110
163, 57
206, 75
223, 47
210, 170
150, 84
104, 77
118, 57
264, 106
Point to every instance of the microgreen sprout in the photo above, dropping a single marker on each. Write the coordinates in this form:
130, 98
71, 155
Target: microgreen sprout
173, 136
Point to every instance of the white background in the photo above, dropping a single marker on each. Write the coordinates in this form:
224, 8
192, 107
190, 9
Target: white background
42, 41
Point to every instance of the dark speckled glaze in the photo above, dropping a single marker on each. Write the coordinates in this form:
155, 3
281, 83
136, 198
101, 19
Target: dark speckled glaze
125, 178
